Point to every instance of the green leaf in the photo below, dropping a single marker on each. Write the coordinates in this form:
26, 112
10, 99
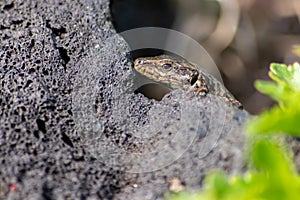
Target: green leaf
278, 169
286, 91
273, 90
265, 154
286, 88
287, 76
276, 121
280, 73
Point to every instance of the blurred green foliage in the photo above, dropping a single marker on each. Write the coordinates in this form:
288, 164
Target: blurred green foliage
286, 91
271, 173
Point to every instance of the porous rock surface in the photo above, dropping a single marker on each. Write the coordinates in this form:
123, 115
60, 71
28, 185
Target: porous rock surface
71, 126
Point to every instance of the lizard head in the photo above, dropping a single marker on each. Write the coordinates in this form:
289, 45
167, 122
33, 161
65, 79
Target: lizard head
168, 70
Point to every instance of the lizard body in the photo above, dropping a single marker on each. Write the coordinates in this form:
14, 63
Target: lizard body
178, 73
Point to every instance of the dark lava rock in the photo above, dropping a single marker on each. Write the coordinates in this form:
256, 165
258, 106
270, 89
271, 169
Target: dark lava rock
71, 125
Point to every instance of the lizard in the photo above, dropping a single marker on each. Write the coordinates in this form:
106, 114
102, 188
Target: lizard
177, 73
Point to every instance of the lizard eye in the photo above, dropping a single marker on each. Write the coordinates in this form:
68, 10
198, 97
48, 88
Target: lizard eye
167, 66
139, 62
